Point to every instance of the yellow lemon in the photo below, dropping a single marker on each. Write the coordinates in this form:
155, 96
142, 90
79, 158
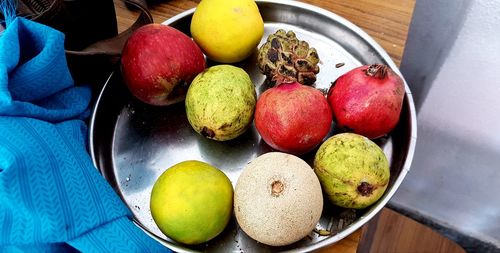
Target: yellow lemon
191, 202
228, 31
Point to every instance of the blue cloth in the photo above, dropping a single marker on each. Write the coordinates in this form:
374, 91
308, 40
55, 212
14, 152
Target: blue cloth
52, 199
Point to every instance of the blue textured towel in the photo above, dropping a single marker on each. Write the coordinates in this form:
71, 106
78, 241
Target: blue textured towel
52, 199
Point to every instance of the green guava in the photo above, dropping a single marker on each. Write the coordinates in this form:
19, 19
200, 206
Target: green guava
220, 102
352, 169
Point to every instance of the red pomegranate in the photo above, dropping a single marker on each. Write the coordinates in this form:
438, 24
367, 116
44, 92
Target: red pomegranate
367, 100
159, 62
293, 118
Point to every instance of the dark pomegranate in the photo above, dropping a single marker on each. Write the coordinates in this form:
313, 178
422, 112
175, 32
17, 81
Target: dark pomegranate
293, 118
367, 100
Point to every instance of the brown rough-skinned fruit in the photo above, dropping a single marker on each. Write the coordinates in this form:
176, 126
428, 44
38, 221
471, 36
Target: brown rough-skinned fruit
284, 58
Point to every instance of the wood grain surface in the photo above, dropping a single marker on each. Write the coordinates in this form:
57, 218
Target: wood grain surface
390, 232
386, 21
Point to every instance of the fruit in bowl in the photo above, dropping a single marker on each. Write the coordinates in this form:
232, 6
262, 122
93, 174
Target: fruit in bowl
352, 169
278, 199
228, 31
283, 57
191, 202
159, 62
220, 102
292, 117
367, 100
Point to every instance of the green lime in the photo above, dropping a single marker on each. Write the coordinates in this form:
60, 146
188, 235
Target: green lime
191, 202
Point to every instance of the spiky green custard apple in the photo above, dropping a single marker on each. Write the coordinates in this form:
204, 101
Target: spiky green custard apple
284, 58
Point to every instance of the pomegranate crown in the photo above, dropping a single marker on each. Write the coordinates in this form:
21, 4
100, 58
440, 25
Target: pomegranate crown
377, 70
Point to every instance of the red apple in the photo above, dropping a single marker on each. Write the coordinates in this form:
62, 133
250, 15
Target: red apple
159, 62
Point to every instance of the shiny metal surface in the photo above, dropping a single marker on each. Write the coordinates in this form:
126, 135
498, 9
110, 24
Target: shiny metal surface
132, 143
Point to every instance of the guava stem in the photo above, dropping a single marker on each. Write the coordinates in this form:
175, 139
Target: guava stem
207, 132
365, 189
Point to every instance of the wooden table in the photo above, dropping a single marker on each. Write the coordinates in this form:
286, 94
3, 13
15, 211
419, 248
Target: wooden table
386, 21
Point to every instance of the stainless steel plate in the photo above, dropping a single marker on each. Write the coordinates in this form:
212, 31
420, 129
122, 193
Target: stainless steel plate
133, 143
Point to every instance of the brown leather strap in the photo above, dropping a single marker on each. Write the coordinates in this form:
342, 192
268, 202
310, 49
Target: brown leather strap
93, 63
114, 46
39, 9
